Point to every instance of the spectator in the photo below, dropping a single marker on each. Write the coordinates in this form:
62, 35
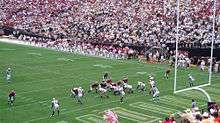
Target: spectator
216, 117
198, 118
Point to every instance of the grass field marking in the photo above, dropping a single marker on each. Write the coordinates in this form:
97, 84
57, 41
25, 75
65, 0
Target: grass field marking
65, 59
212, 89
168, 100
141, 73
34, 53
158, 107
42, 101
179, 100
62, 121
192, 95
153, 108
96, 120
213, 95
90, 117
84, 108
7, 49
133, 115
102, 66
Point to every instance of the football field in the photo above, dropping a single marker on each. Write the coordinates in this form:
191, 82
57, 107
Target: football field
41, 74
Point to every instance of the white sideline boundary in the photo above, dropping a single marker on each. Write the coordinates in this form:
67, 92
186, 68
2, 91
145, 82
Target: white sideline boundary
12, 41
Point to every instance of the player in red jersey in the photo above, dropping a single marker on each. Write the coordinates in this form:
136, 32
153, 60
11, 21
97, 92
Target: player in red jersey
11, 97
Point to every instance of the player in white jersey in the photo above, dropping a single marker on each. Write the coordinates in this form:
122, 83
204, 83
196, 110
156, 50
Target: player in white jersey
55, 106
77, 93
150, 77
152, 83
122, 93
102, 91
8, 74
202, 65
191, 80
155, 93
80, 95
141, 86
127, 87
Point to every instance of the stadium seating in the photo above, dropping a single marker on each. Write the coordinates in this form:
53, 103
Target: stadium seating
131, 22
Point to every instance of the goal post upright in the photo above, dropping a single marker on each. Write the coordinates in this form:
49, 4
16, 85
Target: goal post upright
177, 41
212, 43
211, 55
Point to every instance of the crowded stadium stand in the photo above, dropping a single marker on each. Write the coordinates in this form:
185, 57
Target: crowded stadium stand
137, 24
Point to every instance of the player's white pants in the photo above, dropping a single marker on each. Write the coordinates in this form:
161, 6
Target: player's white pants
122, 93
8, 77
10, 98
202, 67
80, 95
128, 86
56, 107
102, 90
156, 94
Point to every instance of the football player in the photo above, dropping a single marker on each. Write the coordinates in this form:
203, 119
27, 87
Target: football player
152, 83
8, 74
155, 93
55, 105
102, 92
127, 88
141, 86
105, 77
11, 97
77, 93
122, 93
80, 94
191, 80
125, 79
202, 65
167, 73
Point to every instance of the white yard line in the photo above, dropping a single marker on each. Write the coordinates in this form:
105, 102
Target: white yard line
89, 116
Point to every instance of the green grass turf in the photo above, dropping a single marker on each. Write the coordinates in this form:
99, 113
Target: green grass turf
41, 74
